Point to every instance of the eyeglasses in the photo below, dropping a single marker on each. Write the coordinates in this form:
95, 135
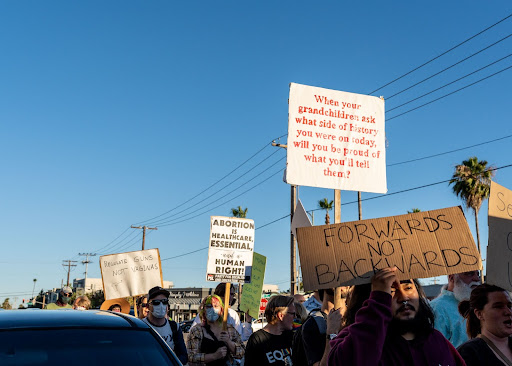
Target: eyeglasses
158, 302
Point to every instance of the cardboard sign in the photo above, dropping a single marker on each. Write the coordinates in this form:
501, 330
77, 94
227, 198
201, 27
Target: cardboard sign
499, 251
231, 249
335, 140
251, 293
131, 273
420, 245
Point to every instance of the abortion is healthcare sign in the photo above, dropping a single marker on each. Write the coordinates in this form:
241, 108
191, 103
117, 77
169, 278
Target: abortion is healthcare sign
336, 140
231, 249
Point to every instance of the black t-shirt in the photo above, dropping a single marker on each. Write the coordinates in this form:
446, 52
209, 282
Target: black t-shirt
314, 339
477, 352
264, 348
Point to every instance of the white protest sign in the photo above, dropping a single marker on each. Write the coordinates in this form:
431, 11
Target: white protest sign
131, 273
336, 140
231, 249
300, 218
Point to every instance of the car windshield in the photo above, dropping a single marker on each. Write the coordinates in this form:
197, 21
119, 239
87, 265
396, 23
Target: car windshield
94, 346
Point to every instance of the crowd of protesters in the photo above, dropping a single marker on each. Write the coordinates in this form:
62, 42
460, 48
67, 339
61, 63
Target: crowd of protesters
386, 322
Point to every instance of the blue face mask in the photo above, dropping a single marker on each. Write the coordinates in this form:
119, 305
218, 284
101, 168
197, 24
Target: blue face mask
211, 314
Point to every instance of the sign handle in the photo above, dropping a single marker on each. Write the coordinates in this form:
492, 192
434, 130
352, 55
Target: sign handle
337, 298
134, 299
226, 306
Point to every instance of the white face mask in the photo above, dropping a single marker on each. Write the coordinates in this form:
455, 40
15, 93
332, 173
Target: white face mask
80, 308
159, 311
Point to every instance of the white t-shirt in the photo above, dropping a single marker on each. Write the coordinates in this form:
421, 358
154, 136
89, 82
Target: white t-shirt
165, 331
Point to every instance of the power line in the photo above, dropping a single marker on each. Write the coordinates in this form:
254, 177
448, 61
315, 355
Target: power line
450, 83
212, 185
448, 152
449, 67
229, 200
442, 54
446, 95
158, 222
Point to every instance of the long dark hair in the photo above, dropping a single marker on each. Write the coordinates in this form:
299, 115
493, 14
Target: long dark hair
479, 297
360, 293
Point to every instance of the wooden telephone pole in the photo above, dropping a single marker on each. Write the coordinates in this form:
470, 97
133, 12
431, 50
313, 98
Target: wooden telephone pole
144, 228
69, 265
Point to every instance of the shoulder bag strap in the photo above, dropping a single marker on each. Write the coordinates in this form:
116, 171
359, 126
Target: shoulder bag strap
492, 346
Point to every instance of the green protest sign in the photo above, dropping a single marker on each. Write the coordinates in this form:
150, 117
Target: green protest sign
251, 294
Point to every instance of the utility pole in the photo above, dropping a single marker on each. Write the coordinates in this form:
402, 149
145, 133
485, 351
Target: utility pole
86, 262
337, 220
293, 255
69, 265
144, 228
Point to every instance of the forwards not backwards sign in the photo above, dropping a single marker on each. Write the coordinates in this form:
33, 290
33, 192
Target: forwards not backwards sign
420, 245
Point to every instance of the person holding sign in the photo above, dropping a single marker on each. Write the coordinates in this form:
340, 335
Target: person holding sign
272, 345
158, 300
489, 324
397, 324
245, 328
208, 343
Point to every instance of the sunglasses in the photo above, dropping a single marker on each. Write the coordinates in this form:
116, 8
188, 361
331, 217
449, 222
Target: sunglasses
67, 294
158, 302
145, 305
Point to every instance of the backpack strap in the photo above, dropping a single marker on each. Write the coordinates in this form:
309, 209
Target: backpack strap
174, 327
320, 320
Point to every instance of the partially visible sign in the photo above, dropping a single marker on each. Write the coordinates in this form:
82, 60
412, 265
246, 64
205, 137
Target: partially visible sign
420, 245
230, 250
300, 218
251, 292
263, 304
499, 251
131, 273
335, 140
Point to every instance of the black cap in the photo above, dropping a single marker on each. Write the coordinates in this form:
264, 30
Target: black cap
157, 290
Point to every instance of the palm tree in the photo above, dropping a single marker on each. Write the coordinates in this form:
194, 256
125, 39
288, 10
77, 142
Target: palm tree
472, 183
327, 206
414, 210
239, 212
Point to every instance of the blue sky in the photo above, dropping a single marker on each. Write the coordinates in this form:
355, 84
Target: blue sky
115, 112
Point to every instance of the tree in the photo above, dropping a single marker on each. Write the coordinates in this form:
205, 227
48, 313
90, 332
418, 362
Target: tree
239, 212
6, 305
472, 183
327, 206
414, 210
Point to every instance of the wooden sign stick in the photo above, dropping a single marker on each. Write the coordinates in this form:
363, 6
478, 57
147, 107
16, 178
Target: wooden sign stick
226, 306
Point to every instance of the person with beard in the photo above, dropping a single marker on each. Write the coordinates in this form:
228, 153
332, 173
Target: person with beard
489, 325
394, 326
245, 328
63, 300
158, 300
448, 320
